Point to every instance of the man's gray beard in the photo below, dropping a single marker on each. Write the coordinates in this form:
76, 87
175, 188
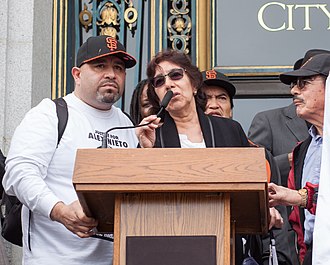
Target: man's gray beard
108, 98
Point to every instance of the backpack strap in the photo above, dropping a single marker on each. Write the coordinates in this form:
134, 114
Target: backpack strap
62, 115
2, 170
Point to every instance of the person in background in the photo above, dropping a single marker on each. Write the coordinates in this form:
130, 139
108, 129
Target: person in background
279, 130
140, 106
39, 172
308, 90
219, 92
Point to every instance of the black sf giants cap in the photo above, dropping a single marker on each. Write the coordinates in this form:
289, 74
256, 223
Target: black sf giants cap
315, 65
215, 78
100, 46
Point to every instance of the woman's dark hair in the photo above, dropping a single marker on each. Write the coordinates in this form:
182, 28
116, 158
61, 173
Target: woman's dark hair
182, 60
135, 106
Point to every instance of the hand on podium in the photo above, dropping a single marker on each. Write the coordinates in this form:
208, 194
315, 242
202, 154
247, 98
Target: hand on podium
74, 219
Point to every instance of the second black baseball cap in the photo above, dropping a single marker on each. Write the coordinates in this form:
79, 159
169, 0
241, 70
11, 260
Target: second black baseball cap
215, 78
315, 65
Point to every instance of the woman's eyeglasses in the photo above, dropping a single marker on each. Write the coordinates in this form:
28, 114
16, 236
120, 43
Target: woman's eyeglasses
174, 74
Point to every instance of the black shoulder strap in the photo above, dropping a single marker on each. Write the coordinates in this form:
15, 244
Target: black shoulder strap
2, 171
62, 115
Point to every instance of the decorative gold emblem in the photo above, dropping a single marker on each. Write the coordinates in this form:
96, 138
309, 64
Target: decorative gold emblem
85, 18
109, 15
179, 26
130, 15
110, 31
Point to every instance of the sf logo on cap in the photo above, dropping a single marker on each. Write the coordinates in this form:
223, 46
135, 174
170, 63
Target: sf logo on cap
211, 74
111, 43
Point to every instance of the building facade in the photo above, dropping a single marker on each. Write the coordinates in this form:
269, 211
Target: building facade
252, 42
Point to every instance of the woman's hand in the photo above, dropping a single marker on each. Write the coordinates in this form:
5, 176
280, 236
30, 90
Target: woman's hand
147, 134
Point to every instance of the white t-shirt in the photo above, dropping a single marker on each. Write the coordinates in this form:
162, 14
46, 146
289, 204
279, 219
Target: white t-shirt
40, 177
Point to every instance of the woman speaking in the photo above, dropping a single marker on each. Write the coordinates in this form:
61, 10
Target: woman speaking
184, 123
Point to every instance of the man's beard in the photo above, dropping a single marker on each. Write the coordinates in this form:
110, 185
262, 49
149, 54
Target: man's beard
108, 97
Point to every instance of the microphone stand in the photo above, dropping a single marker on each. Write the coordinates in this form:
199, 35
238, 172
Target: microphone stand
163, 105
105, 136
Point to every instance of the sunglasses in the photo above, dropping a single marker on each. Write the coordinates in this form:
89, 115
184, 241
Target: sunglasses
174, 74
301, 83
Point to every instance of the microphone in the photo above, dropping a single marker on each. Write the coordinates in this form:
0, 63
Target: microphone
167, 98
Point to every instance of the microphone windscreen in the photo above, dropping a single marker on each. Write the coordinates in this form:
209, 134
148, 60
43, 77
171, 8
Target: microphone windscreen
166, 99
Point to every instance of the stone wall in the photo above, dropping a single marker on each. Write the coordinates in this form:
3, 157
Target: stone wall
25, 71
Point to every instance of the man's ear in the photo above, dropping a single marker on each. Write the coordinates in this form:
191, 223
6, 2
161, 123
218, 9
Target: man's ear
75, 73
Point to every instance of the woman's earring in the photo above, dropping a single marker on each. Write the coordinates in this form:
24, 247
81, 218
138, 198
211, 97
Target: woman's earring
195, 93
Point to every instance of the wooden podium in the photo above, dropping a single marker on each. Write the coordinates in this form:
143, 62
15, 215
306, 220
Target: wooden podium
174, 192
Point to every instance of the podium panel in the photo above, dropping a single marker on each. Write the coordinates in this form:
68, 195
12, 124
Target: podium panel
169, 250
174, 214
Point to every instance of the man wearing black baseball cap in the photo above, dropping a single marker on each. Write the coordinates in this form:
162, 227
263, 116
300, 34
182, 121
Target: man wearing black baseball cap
219, 92
101, 71
39, 169
308, 89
